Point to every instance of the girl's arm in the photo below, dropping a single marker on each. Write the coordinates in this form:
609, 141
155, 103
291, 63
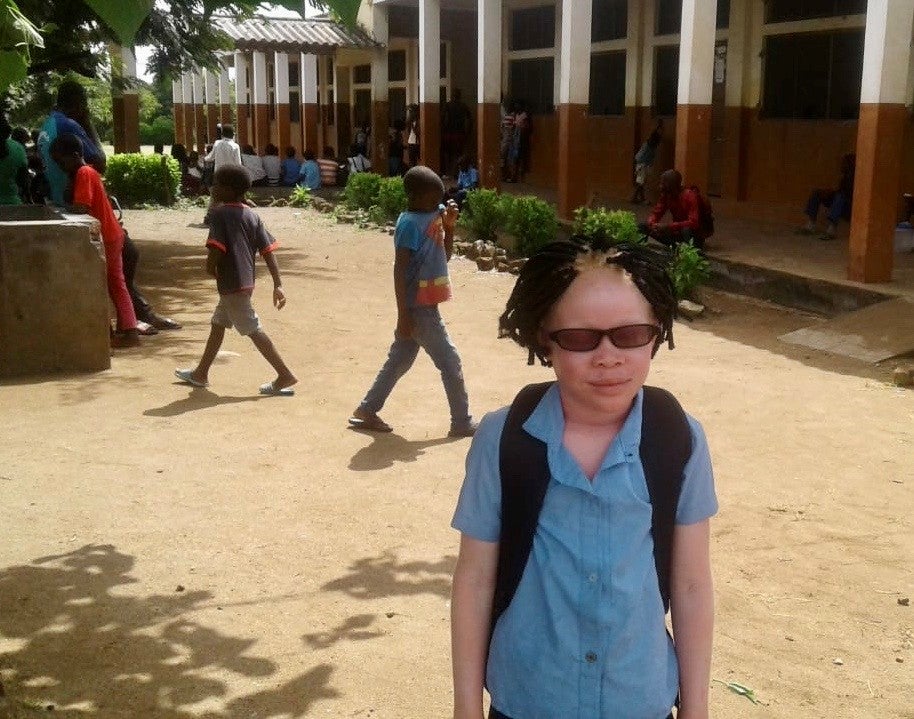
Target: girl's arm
471, 614
692, 606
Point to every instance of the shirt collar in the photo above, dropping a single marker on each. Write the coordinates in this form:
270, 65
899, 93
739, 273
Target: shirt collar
547, 423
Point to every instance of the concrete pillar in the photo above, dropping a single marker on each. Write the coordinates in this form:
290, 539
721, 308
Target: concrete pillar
211, 91
430, 83
488, 109
242, 112
880, 133
380, 108
200, 113
125, 105
187, 93
177, 110
574, 96
281, 93
739, 46
309, 105
696, 77
261, 101
341, 86
225, 97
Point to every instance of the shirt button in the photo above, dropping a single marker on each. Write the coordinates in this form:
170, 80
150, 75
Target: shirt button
592, 577
591, 657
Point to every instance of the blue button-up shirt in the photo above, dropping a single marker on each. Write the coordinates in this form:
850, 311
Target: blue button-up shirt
584, 636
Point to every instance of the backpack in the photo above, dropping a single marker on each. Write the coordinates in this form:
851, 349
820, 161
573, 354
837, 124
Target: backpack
705, 213
666, 445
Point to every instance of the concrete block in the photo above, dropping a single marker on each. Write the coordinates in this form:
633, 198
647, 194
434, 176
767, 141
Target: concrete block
53, 293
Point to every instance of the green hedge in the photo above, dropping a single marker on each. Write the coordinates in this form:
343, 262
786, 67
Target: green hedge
361, 191
137, 179
532, 221
484, 213
392, 197
607, 225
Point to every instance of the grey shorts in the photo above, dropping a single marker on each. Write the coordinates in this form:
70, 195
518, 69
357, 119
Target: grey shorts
236, 311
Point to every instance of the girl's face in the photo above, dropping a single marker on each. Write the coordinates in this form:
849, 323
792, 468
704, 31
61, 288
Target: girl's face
600, 385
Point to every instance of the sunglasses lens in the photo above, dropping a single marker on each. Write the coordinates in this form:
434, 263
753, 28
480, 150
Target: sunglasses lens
632, 336
577, 340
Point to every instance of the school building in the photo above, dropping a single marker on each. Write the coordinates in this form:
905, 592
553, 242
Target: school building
760, 100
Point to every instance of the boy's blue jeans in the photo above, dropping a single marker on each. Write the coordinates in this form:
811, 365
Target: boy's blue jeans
430, 334
838, 204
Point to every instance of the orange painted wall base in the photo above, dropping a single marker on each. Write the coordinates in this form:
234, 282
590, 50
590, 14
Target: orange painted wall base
572, 158
488, 144
225, 114
693, 144
200, 128
310, 139
283, 128
261, 127
380, 141
879, 135
212, 119
430, 135
242, 133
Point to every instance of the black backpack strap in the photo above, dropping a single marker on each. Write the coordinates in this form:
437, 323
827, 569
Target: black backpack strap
524, 473
666, 445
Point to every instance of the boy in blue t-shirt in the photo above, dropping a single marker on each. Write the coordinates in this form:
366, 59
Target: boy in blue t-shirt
584, 634
424, 240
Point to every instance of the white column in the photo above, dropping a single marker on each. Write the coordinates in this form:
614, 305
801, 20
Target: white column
887, 52
225, 88
308, 78
177, 96
696, 52
381, 32
489, 50
199, 99
211, 87
738, 57
129, 65
241, 78
259, 78
574, 54
430, 50
634, 48
281, 77
187, 88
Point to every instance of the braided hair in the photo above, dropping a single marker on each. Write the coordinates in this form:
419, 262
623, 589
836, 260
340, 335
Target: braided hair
548, 274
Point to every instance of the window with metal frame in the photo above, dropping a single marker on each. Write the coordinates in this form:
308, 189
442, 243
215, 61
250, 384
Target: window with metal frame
532, 28
607, 83
669, 16
609, 20
666, 80
813, 75
789, 10
532, 82
396, 66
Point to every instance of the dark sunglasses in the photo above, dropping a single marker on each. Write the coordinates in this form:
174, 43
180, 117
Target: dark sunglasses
586, 340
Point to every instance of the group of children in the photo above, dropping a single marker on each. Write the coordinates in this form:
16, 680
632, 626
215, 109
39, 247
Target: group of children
559, 601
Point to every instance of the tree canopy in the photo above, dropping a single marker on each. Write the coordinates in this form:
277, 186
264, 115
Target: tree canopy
70, 35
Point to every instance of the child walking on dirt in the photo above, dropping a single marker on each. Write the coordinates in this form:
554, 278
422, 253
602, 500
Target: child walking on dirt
88, 192
236, 235
424, 241
585, 510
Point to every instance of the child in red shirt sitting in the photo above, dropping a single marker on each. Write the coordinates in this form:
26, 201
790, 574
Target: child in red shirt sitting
88, 194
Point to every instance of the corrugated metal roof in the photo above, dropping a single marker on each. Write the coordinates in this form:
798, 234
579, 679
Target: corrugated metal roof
293, 35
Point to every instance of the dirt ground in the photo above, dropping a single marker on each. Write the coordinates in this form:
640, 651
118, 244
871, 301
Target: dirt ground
172, 553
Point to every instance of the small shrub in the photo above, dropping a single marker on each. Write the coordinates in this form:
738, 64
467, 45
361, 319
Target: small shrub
688, 269
613, 226
377, 216
392, 197
533, 222
361, 191
484, 213
160, 131
300, 197
137, 179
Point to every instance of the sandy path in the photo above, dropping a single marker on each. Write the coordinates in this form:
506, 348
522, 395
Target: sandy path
314, 562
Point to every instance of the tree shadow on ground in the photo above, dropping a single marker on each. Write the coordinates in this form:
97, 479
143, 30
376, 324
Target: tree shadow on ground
388, 448
78, 643
199, 398
386, 576
354, 629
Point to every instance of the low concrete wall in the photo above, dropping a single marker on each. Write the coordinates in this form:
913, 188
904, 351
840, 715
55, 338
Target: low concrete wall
53, 294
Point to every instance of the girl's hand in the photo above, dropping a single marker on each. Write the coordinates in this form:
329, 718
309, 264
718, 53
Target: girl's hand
451, 213
279, 297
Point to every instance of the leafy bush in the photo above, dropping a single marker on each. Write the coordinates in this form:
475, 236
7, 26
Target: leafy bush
610, 225
161, 131
392, 197
137, 179
300, 197
361, 191
532, 221
688, 269
484, 213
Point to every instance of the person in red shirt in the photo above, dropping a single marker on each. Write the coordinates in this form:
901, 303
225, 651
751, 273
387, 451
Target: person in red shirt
683, 205
88, 194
